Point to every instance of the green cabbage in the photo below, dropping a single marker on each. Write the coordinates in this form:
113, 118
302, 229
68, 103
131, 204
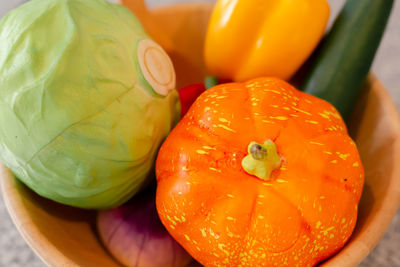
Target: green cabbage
79, 123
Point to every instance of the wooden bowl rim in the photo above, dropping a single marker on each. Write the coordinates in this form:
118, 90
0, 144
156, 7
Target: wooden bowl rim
366, 241
13, 201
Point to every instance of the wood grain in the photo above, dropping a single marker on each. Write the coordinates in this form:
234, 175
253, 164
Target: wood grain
65, 236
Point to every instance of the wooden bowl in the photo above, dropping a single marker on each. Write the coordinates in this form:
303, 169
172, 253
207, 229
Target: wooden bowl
65, 236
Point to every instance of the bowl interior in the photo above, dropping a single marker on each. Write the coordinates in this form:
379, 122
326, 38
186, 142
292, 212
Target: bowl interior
65, 236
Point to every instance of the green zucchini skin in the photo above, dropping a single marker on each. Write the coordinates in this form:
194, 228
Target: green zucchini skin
341, 63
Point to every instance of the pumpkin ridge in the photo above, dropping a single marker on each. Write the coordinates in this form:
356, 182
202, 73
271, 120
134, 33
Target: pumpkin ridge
265, 109
301, 217
246, 236
348, 187
251, 110
209, 131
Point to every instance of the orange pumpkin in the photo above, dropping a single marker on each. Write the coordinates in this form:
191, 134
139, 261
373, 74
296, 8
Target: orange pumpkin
259, 174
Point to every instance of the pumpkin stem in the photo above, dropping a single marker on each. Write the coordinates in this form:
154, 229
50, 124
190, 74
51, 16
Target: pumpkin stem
261, 160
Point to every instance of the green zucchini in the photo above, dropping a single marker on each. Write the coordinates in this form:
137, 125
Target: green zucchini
340, 65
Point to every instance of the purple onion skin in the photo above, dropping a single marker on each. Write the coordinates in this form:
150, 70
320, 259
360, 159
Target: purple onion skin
135, 236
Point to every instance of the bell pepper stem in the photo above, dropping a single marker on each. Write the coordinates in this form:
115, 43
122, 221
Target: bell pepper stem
210, 81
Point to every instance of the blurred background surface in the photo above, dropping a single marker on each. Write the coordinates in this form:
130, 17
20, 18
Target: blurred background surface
15, 253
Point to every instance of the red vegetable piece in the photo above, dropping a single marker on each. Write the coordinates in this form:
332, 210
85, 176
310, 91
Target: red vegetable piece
188, 95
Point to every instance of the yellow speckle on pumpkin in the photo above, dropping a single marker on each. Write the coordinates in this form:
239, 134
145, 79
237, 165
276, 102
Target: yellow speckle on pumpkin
325, 232
223, 120
343, 220
312, 122
201, 152
266, 121
318, 224
230, 218
355, 164
302, 111
226, 128
230, 195
335, 114
316, 143
171, 220
221, 247
327, 152
334, 161
323, 115
187, 237
263, 256
281, 118
176, 218
272, 91
203, 232
214, 169
281, 181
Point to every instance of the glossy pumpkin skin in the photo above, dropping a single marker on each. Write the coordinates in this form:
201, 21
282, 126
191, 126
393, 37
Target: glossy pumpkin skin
225, 217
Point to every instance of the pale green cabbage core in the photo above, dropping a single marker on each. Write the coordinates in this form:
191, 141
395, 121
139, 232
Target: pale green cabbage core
78, 122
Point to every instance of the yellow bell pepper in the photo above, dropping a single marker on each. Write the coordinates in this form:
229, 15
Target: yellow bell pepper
251, 38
